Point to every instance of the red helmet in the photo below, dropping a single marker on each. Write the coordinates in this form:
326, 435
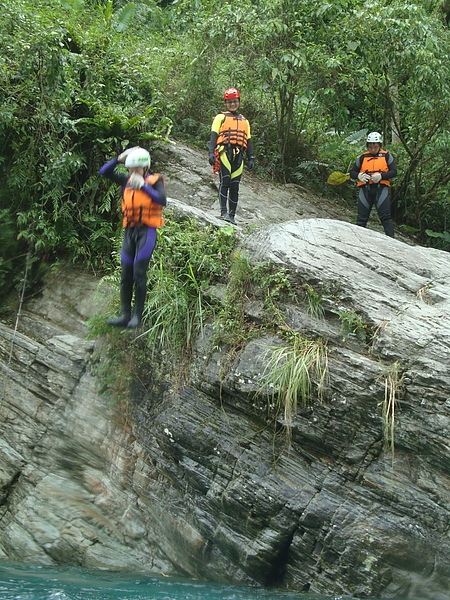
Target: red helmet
231, 93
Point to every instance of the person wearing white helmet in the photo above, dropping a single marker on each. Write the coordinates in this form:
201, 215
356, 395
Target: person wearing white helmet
143, 197
230, 138
373, 171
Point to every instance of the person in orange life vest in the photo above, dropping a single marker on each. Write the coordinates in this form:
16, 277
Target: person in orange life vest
230, 138
143, 197
374, 169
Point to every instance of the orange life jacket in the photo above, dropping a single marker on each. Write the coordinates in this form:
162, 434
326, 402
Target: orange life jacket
375, 164
139, 209
234, 131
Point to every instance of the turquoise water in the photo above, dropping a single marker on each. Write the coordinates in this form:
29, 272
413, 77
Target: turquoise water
25, 582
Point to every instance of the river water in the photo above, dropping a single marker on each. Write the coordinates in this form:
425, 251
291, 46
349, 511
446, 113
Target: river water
27, 582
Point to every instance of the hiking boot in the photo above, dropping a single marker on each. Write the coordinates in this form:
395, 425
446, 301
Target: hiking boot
223, 215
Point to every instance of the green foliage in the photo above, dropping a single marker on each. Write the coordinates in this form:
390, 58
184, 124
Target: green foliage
437, 235
120, 365
314, 303
69, 98
273, 280
352, 325
289, 376
175, 311
392, 382
231, 326
340, 152
407, 92
189, 258
291, 61
246, 281
9, 246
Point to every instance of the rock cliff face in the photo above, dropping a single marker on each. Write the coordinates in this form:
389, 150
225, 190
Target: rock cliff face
193, 482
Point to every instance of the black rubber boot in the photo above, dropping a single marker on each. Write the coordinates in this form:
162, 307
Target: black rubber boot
134, 322
388, 226
126, 291
121, 321
139, 301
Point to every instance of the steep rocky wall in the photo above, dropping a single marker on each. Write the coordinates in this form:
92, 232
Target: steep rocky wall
193, 482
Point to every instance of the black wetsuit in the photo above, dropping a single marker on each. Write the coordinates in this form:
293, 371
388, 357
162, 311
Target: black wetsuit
376, 194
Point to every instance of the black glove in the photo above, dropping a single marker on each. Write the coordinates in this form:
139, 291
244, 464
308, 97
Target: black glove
212, 160
251, 163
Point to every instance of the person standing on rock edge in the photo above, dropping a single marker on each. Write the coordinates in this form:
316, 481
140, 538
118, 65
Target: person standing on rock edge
374, 169
143, 197
230, 138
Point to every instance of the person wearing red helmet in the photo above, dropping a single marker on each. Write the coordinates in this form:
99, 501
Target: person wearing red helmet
230, 138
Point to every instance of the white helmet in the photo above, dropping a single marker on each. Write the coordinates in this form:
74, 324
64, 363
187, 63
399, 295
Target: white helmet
138, 158
374, 138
